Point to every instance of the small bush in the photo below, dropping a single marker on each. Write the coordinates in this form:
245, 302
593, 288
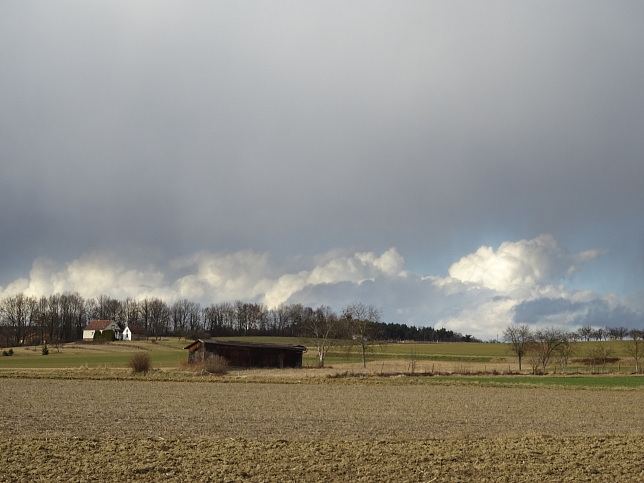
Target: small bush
215, 365
211, 365
140, 363
8, 353
45, 350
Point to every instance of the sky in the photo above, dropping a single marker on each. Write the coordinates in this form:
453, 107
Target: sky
457, 164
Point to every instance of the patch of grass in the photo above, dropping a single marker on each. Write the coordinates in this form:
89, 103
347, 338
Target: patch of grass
169, 353
165, 353
596, 382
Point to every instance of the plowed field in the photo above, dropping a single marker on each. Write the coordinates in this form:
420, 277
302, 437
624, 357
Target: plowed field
82, 430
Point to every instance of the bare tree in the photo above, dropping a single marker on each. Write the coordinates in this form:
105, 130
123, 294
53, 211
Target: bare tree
565, 349
219, 319
159, 314
195, 320
323, 328
250, 317
361, 321
519, 337
599, 354
617, 333
19, 313
105, 307
280, 318
545, 342
598, 334
72, 317
131, 311
145, 311
180, 313
635, 348
585, 333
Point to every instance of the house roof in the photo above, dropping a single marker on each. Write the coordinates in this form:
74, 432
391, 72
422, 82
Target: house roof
259, 345
98, 324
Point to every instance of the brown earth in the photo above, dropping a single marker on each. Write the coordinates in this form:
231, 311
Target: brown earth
83, 430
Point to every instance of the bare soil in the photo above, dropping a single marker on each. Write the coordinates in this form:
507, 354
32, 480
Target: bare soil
84, 430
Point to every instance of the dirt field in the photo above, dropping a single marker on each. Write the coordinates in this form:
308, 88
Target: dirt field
203, 431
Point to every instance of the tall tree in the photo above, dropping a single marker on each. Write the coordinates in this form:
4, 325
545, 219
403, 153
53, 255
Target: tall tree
544, 343
565, 349
323, 328
585, 333
72, 314
180, 311
519, 337
19, 312
635, 348
362, 321
159, 318
131, 312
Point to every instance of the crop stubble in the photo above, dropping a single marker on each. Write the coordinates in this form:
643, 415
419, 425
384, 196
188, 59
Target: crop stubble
137, 431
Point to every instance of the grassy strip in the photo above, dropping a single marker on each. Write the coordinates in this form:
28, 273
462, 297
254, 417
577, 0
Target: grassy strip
178, 375
106, 359
594, 382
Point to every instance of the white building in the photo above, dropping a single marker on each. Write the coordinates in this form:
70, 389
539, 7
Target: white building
100, 326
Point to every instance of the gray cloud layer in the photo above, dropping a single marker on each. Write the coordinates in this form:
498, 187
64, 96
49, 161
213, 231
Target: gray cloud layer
294, 129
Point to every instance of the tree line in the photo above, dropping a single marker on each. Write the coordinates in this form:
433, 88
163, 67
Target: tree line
542, 346
28, 320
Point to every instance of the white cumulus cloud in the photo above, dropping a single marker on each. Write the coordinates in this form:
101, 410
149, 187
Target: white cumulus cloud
520, 266
520, 281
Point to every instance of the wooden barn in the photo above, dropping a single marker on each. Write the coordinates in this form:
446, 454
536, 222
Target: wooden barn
247, 354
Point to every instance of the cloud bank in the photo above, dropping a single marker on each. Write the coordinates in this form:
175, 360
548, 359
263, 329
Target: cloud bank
407, 154
517, 282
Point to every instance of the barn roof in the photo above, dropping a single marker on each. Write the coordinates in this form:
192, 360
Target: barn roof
258, 345
98, 324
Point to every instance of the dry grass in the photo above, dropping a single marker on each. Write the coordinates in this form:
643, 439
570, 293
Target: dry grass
215, 365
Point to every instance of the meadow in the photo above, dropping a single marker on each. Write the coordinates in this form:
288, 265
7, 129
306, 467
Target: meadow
456, 356
80, 414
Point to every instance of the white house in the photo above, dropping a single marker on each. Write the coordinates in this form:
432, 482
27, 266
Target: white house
127, 333
100, 326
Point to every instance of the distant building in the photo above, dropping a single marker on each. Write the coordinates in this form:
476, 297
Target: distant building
100, 326
247, 354
127, 333
133, 332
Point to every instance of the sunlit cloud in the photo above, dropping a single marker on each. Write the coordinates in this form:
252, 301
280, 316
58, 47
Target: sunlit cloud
520, 266
518, 282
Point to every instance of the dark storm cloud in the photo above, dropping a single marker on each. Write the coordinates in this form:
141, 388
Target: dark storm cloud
594, 313
533, 311
297, 128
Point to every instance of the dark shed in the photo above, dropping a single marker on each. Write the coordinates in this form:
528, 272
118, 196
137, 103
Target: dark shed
247, 354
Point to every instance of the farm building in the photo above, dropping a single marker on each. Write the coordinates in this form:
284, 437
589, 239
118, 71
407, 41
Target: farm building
100, 326
247, 354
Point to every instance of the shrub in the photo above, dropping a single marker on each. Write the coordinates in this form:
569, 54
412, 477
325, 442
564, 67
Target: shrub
140, 363
211, 365
104, 336
45, 350
7, 353
215, 365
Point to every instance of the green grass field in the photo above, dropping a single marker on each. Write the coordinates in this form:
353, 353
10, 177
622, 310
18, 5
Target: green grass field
170, 353
167, 353
593, 381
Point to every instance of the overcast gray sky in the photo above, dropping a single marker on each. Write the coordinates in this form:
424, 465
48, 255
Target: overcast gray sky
460, 164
